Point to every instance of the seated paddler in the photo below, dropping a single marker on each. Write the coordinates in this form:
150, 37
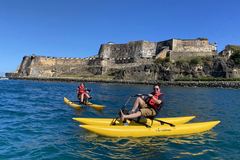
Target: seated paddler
148, 107
83, 93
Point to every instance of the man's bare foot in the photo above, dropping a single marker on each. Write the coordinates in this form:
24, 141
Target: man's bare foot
122, 115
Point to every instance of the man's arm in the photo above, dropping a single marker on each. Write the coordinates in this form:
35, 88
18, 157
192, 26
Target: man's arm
157, 101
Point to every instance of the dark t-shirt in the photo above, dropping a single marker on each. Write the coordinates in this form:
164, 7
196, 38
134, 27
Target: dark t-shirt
162, 98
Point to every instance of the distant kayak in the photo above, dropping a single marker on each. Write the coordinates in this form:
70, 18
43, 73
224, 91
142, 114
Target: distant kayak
106, 121
78, 106
143, 131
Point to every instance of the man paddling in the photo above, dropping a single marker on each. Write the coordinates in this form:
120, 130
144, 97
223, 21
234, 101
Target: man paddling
148, 107
83, 92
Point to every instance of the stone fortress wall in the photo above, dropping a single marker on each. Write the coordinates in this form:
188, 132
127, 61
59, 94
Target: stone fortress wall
134, 53
174, 48
192, 48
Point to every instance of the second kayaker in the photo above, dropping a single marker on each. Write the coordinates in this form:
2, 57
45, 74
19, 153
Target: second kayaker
83, 93
147, 107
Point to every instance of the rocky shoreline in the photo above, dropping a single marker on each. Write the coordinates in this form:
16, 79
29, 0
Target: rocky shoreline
230, 85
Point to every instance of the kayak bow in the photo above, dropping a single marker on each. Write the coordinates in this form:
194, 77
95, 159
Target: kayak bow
78, 106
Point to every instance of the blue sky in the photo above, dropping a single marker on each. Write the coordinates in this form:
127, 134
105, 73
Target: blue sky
77, 28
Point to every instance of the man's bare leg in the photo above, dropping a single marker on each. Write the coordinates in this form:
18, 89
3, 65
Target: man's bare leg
137, 103
82, 97
131, 116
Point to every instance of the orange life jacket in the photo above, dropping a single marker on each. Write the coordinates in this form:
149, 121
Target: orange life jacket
151, 102
81, 90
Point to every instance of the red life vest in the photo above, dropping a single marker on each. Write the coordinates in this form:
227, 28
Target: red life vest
151, 102
81, 90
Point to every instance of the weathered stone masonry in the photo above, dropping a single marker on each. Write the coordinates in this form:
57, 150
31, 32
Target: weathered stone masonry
173, 48
113, 55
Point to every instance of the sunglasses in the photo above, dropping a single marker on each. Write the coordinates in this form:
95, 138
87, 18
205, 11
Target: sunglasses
155, 88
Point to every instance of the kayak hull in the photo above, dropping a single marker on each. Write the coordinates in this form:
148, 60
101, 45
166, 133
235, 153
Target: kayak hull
77, 106
143, 131
105, 121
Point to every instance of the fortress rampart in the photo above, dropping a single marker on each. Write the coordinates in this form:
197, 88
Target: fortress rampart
121, 55
192, 48
173, 48
132, 50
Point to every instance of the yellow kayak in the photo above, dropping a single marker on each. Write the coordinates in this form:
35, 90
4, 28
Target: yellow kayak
105, 121
77, 106
143, 131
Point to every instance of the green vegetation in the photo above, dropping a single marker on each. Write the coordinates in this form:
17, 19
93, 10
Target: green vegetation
161, 60
140, 80
113, 72
180, 61
207, 79
195, 60
235, 56
206, 59
167, 59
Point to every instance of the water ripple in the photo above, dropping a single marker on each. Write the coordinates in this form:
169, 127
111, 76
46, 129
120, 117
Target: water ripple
36, 124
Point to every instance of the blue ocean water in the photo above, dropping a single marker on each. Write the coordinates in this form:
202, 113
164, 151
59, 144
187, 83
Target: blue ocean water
36, 124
